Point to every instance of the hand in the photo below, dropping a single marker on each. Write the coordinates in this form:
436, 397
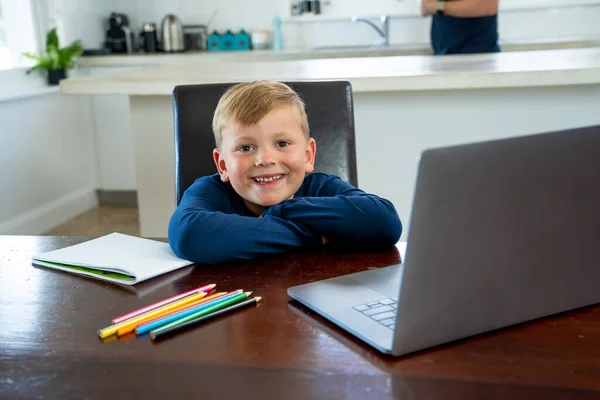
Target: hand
428, 7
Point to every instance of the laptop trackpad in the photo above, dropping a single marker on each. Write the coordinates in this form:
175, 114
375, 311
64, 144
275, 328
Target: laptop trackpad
383, 280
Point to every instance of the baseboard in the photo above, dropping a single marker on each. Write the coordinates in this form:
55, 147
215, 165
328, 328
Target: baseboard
126, 198
46, 217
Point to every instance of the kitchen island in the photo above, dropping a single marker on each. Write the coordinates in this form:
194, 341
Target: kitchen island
403, 105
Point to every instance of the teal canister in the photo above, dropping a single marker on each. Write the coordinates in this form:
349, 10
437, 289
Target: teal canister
228, 41
213, 42
242, 40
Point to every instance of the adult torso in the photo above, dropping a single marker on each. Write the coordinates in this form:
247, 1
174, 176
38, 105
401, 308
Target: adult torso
453, 35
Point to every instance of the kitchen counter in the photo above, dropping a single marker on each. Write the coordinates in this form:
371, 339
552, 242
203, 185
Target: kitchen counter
407, 49
377, 74
402, 105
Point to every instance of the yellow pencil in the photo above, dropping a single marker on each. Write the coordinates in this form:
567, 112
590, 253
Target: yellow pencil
111, 330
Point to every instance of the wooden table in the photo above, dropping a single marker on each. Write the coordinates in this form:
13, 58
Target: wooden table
49, 346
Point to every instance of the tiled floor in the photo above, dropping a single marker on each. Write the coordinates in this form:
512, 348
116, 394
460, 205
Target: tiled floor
101, 221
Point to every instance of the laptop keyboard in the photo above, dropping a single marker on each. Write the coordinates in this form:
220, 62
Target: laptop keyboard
382, 311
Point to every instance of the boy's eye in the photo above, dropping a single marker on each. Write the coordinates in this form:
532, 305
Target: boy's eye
283, 143
245, 148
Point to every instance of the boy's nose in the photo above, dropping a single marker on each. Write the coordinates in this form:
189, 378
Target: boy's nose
264, 162
264, 159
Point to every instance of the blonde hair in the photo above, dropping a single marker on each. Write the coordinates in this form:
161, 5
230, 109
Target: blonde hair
247, 103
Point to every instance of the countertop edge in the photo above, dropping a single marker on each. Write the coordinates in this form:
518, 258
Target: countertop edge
447, 81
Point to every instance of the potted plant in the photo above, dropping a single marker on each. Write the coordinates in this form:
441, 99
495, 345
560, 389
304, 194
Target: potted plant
55, 60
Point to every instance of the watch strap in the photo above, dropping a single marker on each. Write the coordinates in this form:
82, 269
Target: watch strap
440, 7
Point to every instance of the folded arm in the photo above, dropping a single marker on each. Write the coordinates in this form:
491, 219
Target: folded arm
200, 231
343, 215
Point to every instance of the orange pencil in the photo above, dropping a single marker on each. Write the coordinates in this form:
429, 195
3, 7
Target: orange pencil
111, 330
205, 288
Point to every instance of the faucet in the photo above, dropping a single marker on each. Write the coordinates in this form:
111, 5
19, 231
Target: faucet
384, 31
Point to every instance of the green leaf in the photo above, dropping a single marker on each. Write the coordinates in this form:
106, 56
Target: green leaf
52, 39
55, 58
68, 53
43, 64
32, 56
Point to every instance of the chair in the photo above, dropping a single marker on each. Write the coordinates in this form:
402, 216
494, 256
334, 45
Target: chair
330, 114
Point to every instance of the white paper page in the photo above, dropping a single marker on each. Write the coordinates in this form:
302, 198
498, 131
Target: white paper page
142, 258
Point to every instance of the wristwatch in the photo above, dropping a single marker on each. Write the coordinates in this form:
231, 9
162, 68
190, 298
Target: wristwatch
440, 7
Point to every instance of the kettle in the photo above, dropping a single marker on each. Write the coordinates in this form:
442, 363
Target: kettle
172, 34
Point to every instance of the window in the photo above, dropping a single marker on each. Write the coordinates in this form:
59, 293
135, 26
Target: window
17, 33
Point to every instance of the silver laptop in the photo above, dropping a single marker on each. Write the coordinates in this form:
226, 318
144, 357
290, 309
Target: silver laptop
501, 232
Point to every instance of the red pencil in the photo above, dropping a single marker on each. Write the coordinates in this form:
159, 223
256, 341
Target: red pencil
205, 288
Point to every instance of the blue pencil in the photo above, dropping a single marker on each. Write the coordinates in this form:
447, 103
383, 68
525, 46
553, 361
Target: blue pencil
141, 329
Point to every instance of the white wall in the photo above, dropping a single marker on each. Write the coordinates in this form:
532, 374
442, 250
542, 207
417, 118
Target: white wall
47, 164
83, 20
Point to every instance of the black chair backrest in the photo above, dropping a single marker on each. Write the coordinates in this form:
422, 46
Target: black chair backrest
330, 112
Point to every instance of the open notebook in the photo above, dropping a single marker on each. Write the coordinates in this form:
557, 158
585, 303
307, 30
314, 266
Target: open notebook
116, 257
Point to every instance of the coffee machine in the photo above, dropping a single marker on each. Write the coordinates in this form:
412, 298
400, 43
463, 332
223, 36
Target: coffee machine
119, 38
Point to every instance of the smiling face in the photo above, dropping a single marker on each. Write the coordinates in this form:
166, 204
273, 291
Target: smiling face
265, 162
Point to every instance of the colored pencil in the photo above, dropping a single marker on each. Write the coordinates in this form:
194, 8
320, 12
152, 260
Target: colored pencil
216, 307
131, 324
205, 288
154, 316
159, 333
156, 323
111, 330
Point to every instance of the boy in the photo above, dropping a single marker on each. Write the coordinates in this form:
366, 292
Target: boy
264, 198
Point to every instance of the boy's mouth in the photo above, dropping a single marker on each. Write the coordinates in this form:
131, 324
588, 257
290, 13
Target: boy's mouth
265, 179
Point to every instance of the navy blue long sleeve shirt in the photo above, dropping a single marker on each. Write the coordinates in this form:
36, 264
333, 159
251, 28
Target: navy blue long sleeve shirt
212, 224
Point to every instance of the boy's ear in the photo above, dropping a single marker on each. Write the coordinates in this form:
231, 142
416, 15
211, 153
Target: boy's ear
311, 152
221, 165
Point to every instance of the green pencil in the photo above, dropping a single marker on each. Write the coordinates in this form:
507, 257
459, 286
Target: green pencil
201, 313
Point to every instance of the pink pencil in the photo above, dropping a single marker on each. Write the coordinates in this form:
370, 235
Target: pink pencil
205, 288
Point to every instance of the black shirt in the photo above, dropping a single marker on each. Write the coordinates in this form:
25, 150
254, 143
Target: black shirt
453, 35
